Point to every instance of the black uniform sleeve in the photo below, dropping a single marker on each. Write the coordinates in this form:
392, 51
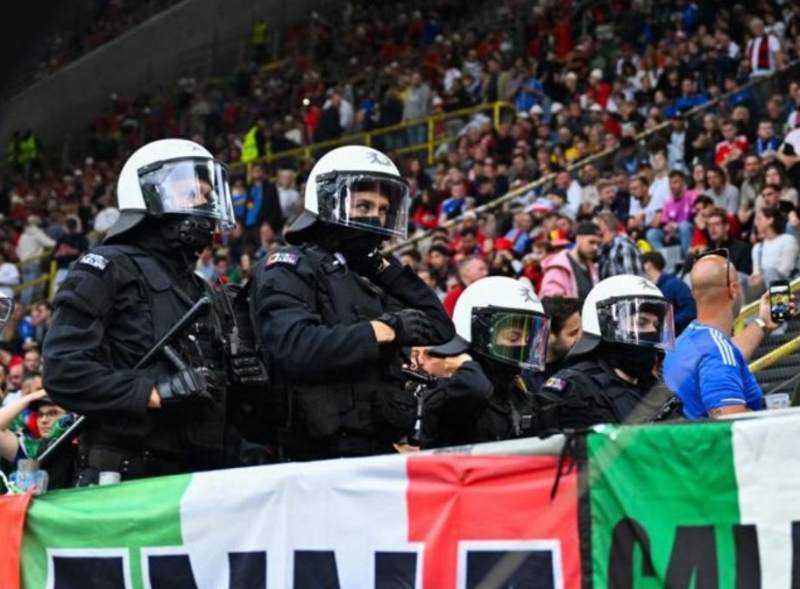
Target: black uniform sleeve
410, 292
299, 344
567, 401
78, 370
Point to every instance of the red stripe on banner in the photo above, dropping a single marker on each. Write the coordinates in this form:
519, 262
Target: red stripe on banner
506, 498
12, 523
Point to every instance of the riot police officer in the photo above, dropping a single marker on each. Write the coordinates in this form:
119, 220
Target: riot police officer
333, 314
501, 331
627, 327
120, 298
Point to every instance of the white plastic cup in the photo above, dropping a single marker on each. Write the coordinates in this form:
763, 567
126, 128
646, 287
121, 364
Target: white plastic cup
778, 401
109, 477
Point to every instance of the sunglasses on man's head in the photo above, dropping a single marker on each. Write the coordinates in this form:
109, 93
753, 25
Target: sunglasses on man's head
722, 252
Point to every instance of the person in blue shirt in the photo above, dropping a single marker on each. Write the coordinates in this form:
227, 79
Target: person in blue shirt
708, 369
674, 289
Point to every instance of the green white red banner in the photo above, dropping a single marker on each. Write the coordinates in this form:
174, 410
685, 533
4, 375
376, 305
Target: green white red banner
686, 505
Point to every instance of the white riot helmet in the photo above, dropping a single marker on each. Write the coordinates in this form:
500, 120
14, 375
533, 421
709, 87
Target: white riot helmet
338, 193
172, 176
501, 319
6, 308
626, 309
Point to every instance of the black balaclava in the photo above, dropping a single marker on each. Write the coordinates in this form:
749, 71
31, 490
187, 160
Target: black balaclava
636, 361
349, 241
175, 239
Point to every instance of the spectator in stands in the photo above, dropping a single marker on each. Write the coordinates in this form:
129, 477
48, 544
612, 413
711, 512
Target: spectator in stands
69, 248
618, 254
717, 228
708, 370
262, 205
675, 290
764, 54
520, 234
417, 106
645, 209
767, 143
724, 194
9, 276
565, 331
776, 253
470, 270
439, 263
732, 147
750, 188
573, 273
676, 218
329, 126
775, 174
30, 248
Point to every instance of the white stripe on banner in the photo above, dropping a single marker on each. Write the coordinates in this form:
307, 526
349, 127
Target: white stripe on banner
276, 511
768, 477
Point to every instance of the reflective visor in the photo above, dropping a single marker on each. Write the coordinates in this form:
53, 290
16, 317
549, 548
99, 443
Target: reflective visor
370, 201
6, 308
512, 336
642, 321
188, 186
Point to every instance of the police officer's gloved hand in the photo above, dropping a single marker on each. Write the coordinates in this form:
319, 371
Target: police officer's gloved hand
367, 264
187, 385
411, 327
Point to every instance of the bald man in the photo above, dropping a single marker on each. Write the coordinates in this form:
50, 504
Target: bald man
708, 370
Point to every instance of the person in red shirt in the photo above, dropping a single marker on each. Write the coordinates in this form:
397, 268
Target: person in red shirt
732, 147
470, 269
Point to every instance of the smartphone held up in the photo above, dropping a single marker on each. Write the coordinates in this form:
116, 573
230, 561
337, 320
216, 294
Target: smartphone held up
779, 300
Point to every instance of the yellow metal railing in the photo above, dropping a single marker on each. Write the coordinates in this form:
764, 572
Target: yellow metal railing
48, 278
776, 355
435, 127
750, 311
577, 165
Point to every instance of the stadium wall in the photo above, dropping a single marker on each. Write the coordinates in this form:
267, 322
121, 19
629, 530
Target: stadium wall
196, 37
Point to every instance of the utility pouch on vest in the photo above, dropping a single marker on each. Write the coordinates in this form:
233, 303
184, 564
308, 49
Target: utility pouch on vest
317, 408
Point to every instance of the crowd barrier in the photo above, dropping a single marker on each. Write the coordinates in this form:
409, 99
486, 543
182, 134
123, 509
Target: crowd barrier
705, 504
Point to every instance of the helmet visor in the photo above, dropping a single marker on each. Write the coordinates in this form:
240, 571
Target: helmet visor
511, 336
189, 187
369, 201
641, 321
6, 308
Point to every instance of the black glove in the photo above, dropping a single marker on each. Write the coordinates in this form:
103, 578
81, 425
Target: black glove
367, 264
187, 385
411, 327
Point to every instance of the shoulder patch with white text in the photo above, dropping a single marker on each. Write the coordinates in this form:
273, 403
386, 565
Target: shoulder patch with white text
282, 258
555, 383
94, 263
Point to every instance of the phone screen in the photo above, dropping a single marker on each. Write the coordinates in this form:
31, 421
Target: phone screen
779, 297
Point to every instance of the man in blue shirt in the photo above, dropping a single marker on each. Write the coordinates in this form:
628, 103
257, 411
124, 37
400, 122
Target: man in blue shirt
708, 370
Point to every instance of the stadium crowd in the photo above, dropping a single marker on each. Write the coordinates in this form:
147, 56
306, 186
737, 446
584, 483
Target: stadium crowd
583, 82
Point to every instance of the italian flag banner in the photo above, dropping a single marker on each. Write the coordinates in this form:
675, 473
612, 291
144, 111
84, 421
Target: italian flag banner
427, 521
708, 505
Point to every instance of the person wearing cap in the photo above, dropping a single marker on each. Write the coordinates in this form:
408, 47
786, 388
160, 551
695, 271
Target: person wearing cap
333, 314
51, 422
573, 272
501, 330
627, 327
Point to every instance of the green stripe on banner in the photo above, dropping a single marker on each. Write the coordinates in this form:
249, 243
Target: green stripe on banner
664, 506
99, 521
